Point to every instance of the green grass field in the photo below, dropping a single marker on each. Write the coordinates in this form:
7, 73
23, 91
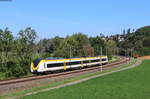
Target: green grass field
44, 86
129, 84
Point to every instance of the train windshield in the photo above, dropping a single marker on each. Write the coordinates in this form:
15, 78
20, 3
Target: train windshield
36, 62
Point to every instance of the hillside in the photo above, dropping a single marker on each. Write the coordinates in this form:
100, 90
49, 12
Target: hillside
136, 41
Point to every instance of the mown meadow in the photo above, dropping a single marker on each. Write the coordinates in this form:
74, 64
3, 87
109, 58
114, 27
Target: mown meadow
129, 84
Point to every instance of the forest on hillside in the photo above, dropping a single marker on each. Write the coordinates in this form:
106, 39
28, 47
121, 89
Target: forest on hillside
17, 53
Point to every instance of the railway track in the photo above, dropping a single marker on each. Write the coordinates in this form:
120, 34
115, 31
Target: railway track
122, 60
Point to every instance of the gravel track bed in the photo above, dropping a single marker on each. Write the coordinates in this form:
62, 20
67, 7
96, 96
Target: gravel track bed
81, 80
34, 83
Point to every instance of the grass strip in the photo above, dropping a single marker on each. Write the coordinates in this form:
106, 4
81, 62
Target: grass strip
65, 81
128, 84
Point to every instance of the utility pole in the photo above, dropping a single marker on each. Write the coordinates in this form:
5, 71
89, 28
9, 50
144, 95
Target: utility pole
132, 49
126, 51
130, 52
118, 51
101, 67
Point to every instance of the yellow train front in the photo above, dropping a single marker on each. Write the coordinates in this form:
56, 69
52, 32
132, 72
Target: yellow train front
55, 64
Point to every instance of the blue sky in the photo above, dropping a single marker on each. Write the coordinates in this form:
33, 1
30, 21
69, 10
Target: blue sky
65, 17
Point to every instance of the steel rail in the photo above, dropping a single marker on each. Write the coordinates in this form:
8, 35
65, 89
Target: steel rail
123, 60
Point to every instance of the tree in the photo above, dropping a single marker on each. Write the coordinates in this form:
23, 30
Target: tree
72, 46
28, 35
6, 46
128, 31
124, 32
97, 42
88, 50
18, 53
47, 47
26, 48
137, 40
111, 48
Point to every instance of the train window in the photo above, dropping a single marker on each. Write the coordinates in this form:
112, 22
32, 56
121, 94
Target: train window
55, 65
87, 61
96, 60
104, 59
37, 61
73, 63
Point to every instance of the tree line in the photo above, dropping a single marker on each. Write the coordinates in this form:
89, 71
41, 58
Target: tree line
134, 42
76, 45
17, 52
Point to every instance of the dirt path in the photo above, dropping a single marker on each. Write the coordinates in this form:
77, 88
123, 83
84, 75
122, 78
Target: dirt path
81, 80
52, 78
144, 57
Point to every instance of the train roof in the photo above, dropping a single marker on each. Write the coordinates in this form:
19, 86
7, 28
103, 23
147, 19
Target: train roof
55, 58
52, 58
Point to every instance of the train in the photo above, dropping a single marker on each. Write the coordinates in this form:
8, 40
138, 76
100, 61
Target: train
58, 64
